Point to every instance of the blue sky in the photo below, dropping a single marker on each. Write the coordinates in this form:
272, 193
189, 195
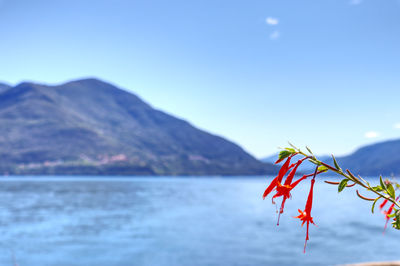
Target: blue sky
261, 73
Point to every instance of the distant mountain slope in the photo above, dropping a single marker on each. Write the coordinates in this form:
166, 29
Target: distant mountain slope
305, 167
270, 159
92, 127
4, 87
380, 158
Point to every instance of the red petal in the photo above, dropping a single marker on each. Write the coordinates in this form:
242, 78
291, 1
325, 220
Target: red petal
270, 187
387, 214
310, 198
383, 204
290, 176
284, 169
294, 184
282, 172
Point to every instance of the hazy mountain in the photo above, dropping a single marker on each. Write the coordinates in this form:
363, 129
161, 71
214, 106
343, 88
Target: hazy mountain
372, 160
270, 159
380, 158
4, 87
92, 127
305, 167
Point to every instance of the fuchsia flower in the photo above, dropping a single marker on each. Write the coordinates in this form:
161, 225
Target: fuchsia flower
279, 177
388, 212
305, 216
284, 190
383, 204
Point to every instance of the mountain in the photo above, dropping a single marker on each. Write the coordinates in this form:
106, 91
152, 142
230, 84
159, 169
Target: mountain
374, 160
270, 159
305, 167
92, 127
4, 87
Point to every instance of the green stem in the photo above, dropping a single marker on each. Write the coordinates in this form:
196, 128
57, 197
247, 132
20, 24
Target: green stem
350, 176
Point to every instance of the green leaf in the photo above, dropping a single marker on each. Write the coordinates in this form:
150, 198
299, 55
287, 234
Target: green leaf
373, 204
383, 185
284, 154
290, 150
309, 150
292, 145
322, 168
377, 188
314, 161
396, 224
335, 162
390, 191
342, 184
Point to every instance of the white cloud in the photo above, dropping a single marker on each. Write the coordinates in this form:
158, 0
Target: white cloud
275, 35
371, 134
396, 126
355, 2
272, 21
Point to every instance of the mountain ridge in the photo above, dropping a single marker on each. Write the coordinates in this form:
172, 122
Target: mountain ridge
4, 86
305, 167
88, 126
382, 158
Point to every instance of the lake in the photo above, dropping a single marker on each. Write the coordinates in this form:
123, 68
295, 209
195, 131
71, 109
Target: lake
164, 221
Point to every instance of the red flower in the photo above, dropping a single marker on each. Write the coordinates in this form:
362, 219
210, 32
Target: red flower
284, 190
388, 212
279, 177
383, 204
305, 216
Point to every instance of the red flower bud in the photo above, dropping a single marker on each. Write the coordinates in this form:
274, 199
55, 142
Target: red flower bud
305, 216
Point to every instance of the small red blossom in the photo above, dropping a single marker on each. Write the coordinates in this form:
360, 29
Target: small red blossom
285, 167
383, 204
388, 212
283, 190
305, 216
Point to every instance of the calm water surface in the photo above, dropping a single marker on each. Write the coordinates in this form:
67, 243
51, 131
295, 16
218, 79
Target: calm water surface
181, 221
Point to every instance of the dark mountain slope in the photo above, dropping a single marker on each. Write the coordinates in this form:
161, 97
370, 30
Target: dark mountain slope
4, 87
92, 127
380, 158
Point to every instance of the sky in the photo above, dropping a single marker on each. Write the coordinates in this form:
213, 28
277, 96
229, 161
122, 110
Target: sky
261, 73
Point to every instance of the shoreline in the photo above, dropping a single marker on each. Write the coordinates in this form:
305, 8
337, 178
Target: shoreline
377, 263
